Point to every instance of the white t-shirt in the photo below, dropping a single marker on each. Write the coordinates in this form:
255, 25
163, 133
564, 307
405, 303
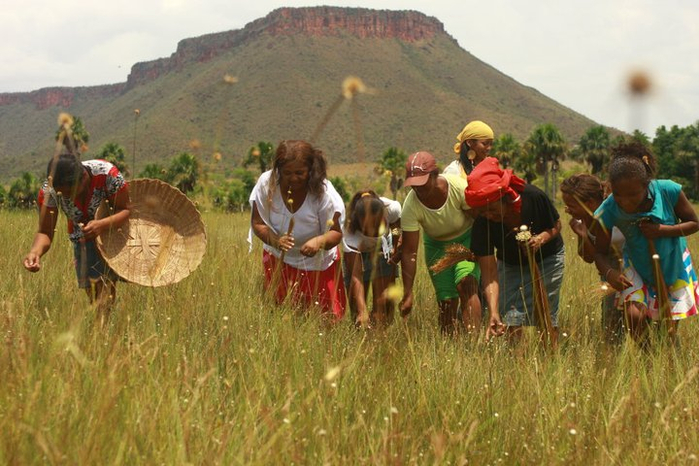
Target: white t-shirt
310, 220
359, 242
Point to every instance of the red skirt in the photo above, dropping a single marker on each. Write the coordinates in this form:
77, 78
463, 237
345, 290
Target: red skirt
322, 288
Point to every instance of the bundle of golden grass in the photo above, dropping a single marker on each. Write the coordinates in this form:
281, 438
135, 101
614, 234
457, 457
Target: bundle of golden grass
454, 253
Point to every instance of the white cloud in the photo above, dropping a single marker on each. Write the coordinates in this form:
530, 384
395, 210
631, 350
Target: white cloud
578, 52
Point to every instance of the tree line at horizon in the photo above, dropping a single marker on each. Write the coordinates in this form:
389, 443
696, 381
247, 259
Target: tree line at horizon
537, 158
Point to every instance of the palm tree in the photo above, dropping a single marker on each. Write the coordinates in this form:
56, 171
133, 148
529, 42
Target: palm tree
23, 191
594, 147
80, 135
184, 172
114, 154
392, 162
641, 137
506, 149
260, 155
525, 164
547, 143
154, 171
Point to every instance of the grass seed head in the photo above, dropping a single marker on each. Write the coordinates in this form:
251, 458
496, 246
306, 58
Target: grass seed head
524, 235
394, 293
65, 119
352, 86
332, 373
639, 83
228, 79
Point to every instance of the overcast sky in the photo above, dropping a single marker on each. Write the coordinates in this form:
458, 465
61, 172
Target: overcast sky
578, 52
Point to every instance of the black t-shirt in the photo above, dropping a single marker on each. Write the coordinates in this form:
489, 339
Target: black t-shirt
538, 213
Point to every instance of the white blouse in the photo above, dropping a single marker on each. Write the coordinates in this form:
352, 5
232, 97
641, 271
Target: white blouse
359, 242
310, 220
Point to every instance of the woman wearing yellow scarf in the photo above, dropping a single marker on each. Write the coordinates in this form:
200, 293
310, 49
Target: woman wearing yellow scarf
475, 141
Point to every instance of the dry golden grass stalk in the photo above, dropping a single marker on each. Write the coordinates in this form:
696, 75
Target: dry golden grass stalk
541, 301
542, 308
455, 253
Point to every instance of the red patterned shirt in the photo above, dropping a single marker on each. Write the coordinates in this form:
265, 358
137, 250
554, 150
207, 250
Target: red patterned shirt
105, 182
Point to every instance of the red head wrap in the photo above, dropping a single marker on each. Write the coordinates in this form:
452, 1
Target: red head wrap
488, 183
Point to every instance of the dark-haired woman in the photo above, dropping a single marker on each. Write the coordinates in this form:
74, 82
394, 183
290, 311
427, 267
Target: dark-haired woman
504, 203
370, 235
474, 144
297, 213
79, 188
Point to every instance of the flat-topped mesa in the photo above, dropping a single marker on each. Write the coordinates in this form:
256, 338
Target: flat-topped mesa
408, 26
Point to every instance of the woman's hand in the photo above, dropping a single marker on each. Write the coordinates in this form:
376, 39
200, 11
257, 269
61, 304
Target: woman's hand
649, 229
32, 262
535, 242
395, 257
285, 243
495, 326
94, 228
618, 280
578, 227
312, 246
363, 319
406, 305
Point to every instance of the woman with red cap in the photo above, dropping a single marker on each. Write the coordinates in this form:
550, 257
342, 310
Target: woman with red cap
504, 205
436, 205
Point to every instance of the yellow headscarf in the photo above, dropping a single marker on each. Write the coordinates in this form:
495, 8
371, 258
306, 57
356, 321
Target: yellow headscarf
474, 130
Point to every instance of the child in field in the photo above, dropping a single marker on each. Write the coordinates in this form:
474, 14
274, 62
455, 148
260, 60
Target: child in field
297, 213
582, 194
78, 188
654, 217
369, 238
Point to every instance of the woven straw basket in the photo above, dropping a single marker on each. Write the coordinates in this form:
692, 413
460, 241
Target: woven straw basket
163, 241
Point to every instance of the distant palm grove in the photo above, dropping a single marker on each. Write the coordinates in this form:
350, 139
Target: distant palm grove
538, 159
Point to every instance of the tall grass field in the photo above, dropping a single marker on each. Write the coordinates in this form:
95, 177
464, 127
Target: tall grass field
207, 371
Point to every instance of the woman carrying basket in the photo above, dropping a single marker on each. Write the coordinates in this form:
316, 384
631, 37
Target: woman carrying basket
79, 188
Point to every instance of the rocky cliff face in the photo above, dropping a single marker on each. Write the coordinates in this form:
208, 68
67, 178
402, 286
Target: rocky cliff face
409, 26
60, 96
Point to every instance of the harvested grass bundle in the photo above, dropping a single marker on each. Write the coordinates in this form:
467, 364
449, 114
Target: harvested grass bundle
455, 253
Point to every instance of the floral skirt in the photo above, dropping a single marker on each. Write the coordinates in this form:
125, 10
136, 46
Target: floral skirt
683, 293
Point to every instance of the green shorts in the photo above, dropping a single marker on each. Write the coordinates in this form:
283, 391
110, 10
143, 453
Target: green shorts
445, 281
